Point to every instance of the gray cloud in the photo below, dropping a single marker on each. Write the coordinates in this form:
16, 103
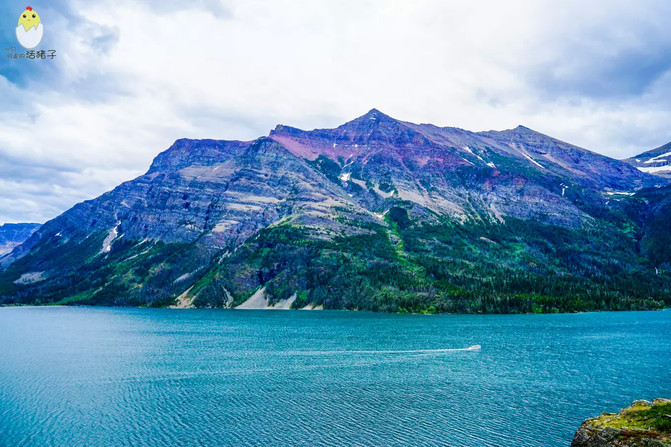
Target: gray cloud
608, 51
215, 7
613, 77
131, 77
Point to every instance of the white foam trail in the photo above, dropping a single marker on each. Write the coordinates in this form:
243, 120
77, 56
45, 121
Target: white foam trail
408, 351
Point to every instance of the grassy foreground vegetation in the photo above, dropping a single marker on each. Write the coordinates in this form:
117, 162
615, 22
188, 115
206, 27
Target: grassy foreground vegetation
643, 423
639, 417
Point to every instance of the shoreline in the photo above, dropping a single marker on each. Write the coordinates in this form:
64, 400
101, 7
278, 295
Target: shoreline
316, 308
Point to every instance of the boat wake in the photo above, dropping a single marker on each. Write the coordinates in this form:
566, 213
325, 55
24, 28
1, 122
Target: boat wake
406, 351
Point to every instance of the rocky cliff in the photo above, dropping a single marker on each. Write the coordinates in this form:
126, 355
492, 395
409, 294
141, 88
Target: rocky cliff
643, 424
375, 214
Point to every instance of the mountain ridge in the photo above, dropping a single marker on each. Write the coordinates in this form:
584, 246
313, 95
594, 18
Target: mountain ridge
14, 234
375, 214
655, 161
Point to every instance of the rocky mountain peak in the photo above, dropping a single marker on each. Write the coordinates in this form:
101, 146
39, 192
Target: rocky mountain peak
371, 121
373, 116
265, 147
186, 152
373, 129
522, 128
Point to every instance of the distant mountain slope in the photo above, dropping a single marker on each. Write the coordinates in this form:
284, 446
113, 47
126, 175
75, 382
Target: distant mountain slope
376, 214
656, 161
12, 235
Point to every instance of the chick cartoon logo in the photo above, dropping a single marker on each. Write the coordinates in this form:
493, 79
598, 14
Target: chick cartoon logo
29, 31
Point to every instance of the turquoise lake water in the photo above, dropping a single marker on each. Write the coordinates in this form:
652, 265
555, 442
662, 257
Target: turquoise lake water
158, 377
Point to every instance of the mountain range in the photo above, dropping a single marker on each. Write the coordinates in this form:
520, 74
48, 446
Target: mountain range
377, 214
12, 235
656, 161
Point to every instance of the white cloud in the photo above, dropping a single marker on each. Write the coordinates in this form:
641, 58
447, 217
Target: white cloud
131, 77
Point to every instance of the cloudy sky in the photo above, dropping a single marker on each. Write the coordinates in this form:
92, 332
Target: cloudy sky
130, 77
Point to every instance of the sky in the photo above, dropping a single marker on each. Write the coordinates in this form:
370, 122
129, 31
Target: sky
130, 77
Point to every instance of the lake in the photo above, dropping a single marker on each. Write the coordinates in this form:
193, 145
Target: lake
160, 377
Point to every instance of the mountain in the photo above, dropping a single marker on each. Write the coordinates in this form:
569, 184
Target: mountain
12, 235
376, 214
656, 161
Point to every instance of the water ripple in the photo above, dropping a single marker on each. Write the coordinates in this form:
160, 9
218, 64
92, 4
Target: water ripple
131, 377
